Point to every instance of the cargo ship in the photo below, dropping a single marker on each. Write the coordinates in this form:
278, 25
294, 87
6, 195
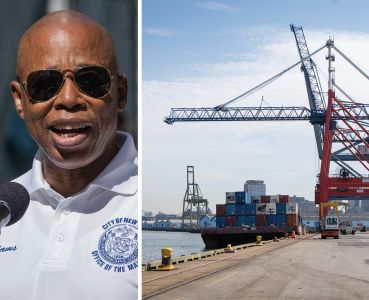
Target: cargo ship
244, 217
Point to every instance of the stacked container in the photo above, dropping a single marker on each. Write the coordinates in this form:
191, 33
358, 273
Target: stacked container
255, 199
243, 210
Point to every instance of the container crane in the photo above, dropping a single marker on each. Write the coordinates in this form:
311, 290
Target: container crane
338, 122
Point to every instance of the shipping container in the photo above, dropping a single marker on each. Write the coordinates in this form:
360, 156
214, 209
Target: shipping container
240, 209
291, 208
265, 199
230, 197
221, 222
250, 209
220, 209
260, 220
292, 220
230, 209
240, 221
271, 220
231, 221
281, 220
251, 221
284, 199
274, 199
240, 197
281, 208
247, 198
271, 209
260, 208
255, 199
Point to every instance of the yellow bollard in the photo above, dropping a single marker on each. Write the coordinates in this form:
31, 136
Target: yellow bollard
229, 249
258, 240
166, 260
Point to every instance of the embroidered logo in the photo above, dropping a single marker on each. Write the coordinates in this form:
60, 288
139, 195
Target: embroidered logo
118, 247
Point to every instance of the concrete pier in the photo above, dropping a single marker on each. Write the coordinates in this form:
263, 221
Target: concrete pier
302, 268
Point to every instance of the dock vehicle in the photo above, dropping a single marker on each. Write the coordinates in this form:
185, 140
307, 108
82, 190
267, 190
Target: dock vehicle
329, 223
330, 227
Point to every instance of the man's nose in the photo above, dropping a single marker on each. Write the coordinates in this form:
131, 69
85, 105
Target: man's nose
69, 96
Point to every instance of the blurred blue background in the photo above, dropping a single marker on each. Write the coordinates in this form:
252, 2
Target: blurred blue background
118, 16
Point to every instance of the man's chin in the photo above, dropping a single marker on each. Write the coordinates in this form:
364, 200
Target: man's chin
70, 161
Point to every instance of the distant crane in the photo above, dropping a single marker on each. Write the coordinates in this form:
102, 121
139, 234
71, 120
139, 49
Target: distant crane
342, 122
193, 199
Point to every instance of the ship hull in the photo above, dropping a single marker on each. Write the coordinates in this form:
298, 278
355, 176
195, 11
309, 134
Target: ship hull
215, 238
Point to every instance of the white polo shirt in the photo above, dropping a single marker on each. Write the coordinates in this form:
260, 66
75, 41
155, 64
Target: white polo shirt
81, 247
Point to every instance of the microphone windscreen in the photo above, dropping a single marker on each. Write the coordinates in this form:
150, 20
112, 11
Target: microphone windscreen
17, 198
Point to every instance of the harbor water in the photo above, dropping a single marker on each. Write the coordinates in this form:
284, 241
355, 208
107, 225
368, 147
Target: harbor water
182, 243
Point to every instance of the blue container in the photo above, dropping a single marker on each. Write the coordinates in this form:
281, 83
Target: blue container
251, 220
221, 222
271, 220
281, 208
240, 209
240, 220
281, 220
250, 209
230, 209
240, 197
247, 198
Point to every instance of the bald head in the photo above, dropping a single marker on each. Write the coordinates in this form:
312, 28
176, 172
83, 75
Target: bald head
59, 31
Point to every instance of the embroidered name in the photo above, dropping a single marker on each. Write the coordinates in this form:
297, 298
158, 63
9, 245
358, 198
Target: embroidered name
8, 249
118, 246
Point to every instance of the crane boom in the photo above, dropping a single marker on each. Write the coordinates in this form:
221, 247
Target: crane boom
312, 82
277, 113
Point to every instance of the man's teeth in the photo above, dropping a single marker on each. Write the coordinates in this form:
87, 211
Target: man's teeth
70, 127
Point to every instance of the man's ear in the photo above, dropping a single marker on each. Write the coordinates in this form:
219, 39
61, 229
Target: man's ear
122, 90
17, 97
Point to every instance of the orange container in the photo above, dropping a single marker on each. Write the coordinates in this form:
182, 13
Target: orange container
260, 220
265, 199
220, 209
231, 221
292, 220
284, 199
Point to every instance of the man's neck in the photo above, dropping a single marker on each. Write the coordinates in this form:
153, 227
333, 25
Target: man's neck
68, 182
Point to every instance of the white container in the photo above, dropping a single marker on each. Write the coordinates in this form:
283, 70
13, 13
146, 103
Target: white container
230, 197
271, 209
291, 208
255, 199
260, 208
274, 199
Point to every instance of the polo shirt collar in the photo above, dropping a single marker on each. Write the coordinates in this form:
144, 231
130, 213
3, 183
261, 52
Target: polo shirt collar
119, 176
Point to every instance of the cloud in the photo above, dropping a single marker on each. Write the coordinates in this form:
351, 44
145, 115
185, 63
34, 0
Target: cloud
216, 6
159, 31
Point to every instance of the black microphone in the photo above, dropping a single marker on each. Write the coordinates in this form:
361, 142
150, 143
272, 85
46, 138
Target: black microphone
14, 201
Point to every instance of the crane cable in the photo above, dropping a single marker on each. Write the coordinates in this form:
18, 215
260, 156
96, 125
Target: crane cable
351, 62
336, 85
266, 82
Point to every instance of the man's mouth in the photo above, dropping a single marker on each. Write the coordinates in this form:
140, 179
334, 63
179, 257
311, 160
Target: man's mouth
67, 131
70, 135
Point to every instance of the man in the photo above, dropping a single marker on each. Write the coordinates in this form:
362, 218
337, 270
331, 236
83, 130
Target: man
78, 238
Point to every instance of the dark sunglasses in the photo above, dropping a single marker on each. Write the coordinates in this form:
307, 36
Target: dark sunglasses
42, 85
